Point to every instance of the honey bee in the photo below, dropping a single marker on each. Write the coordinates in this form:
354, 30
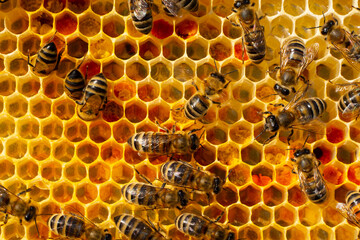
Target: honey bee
253, 37
349, 103
94, 98
47, 59
294, 58
136, 229
151, 196
310, 178
350, 209
294, 114
72, 226
201, 227
165, 143
172, 7
12, 204
182, 174
141, 14
75, 83
345, 42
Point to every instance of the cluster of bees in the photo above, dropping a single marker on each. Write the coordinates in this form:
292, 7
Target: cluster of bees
292, 86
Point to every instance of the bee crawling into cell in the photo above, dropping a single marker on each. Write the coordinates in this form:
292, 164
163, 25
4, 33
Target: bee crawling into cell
75, 83
311, 181
253, 38
350, 209
94, 98
201, 227
48, 58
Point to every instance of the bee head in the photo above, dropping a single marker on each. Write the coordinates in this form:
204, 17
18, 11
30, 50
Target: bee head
301, 152
217, 185
30, 214
271, 123
194, 142
183, 198
231, 236
327, 27
281, 90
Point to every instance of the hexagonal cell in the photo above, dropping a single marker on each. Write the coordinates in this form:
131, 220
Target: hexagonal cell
101, 7
77, 46
52, 128
53, 87
302, 24
345, 232
75, 171
162, 28
321, 232
66, 23
17, 66
27, 169
264, 92
14, 230
122, 130
148, 90
284, 175
275, 155
296, 196
340, 192
65, 66
78, 6
122, 173
228, 154
101, 46
159, 110
125, 90
210, 27
41, 22
261, 216
186, 28
89, 24
99, 173
29, 86
113, 70
255, 72
18, 21
40, 148
97, 213
334, 173
62, 191
147, 172
113, 25
319, 6
284, 215
135, 111
173, 49
274, 195
112, 111
86, 192
220, 49
40, 107
297, 232
110, 193
137, 70
347, 152
350, 20
281, 26
324, 152
16, 147
253, 112
51, 170
63, 150
231, 31
328, 68
8, 43
75, 131
87, 152
7, 126
184, 70
262, 175
239, 175
7, 169
28, 127
205, 155
243, 91
331, 216
348, 72
160, 71
229, 114
16, 105
309, 215
99, 131
171, 91
250, 195
64, 109
355, 131
294, 7
271, 8
273, 233
148, 49
227, 196
238, 215
353, 174
213, 212
250, 232
251, 154
336, 131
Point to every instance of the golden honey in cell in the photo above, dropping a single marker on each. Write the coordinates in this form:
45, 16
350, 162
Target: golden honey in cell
172, 7
182, 174
141, 15
136, 228
200, 227
351, 208
74, 227
292, 115
75, 83
94, 98
154, 197
294, 58
310, 178
253, 37
47, 59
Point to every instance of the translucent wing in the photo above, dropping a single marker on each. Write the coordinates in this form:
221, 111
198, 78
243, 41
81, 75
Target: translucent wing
283, 57
255, 34
311, 53
351, 111
352, 51
76, 212
172, 6
346, 213
140, 8
11, 193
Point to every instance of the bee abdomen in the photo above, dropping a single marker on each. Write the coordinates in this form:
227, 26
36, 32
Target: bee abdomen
143, 25
66, 225
133, 228
191, 224
349, 100
196, 107
139, 193
190, 5
296, 51
255, 50
150, 142
317, 191
48, 54
74, 84
177, 173
310, 109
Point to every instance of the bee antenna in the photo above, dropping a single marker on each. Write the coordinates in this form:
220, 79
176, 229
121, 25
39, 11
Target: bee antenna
202, 134
274, 94
231, 72
312, 27
264, 129
324, 17
217, 70
82, 63
306, 140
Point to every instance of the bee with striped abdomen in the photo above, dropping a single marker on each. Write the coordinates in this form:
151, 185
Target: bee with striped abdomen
141, 14
94, 98
294, 58
349, 103
136, 229
165, 143
253, 38
351, 208
182, 174
310, 178
75, 83
172, 7
47, 59
294, 114
72, 226
201, 227
151, 196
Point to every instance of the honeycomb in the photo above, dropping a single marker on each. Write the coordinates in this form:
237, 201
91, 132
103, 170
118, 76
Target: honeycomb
70, 163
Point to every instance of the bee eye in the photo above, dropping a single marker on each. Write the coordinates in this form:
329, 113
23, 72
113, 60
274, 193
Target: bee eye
237, 4
285, 91
277, 87
297, 153
306, 151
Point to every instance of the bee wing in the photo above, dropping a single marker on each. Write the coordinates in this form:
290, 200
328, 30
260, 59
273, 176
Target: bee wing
283, 58
351, 111
354, 44
311, 53
346, 213
139, 7
300, 93
76, 212
11, 193
172, 6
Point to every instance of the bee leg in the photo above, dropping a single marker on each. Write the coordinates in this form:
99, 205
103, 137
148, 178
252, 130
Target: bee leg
142, 176
29, 63
243, 50
23, 192
269, 139
59, 58
277, 105
219, 217
195, 130
161, 127
6, 217
289, 137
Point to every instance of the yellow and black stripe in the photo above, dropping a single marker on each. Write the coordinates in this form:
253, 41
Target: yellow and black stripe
350, 101
296, 51
255, 45
191, 224
140, 193
66, 225
96, 86
151, 142
74, 84
196, 107
143, 25
353, 203
309, 109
